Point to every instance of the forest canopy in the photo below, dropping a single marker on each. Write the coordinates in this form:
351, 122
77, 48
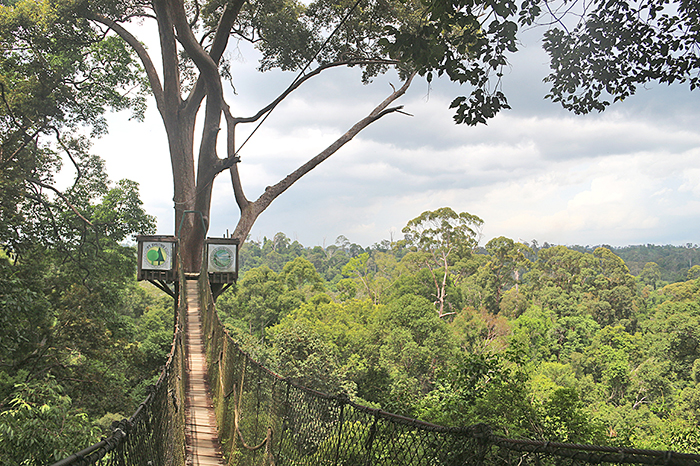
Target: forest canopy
541, 341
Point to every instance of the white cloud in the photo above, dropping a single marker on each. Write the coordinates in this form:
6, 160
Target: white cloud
691, 181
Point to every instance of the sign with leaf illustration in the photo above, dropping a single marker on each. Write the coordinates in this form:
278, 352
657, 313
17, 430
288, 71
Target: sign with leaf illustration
222, 257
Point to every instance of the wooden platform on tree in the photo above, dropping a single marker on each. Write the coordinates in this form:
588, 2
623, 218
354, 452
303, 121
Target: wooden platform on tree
203, 447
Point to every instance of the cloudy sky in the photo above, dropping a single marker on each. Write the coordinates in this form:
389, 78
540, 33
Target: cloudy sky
630, 175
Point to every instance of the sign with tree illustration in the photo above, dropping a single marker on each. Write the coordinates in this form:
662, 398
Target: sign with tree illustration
157, 257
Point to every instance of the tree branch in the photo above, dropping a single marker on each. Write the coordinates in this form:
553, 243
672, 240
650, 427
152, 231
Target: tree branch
239, 195
228, 18
297, 83
250, 211
4, 162
140, 50
232, 121
62, 196
282, 186
206, 65
70, 156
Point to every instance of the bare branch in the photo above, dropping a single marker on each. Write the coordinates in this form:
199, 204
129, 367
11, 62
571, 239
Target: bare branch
194, 20
238, 194
250, 211
4, 162
70, 156
296, 84
231, 123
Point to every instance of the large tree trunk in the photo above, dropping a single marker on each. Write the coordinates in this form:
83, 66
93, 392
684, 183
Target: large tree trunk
193, 184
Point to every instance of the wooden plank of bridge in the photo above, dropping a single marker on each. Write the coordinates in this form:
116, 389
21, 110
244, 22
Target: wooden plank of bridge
203, 447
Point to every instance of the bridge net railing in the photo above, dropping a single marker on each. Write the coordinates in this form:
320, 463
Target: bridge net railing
267, 420
155, 434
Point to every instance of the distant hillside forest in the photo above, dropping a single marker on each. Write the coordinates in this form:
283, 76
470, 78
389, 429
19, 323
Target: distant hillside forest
566, 344
673, 262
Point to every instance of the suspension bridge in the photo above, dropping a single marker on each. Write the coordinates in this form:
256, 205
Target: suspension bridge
214, 405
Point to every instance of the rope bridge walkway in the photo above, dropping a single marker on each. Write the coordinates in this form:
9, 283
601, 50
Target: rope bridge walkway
202, 440
266, 420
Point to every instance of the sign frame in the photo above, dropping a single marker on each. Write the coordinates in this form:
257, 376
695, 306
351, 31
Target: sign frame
157, 258
221, 259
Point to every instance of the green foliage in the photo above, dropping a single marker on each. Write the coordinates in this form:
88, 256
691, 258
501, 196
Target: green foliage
673, 329
358, 268
370, 276
507, 263
693, 273
617, 46
578, 283
443, 232
571, 335
610, 359
58, 76
468, 43
409, 342
503, 393
261, 299
533, 330
72, 348
24, 315
650, 275
276, 252
301, 275
674, 261
302, 356
575, 351
154, 331
443, 242
41, 426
